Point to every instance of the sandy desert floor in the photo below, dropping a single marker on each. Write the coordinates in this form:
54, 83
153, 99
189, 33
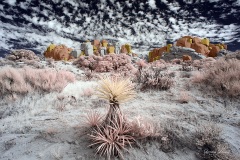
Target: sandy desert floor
53, 126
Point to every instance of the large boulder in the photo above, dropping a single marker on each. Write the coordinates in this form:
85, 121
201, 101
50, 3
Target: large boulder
156, 53
200, 48
214, 50
186, 58
60, 52
183, 42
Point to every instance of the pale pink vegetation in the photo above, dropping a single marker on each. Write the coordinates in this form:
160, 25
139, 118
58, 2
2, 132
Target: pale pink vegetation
22, 54
223, 76
113, 62
160, 64
197, 77
93, 119
88, 92
142, 63
25, 80
184, 97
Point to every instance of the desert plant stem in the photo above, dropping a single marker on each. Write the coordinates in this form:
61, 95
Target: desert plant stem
113, 114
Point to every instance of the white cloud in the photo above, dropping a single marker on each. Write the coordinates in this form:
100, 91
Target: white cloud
152, 4
11, 2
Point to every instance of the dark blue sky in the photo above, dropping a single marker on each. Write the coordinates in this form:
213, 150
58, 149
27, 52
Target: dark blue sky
34, 24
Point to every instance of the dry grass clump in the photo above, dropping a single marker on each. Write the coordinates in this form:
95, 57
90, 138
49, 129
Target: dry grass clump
209, 145
21, 81
187, 66
154, 78
184, 97
223, 77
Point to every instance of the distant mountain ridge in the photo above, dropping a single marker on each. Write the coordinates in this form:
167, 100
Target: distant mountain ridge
34, 24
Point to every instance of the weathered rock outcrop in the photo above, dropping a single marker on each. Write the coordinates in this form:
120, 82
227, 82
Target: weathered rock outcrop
60, 52
179, 52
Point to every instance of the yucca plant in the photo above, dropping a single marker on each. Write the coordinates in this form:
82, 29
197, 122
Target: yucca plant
113, 135
112, 140
116, 90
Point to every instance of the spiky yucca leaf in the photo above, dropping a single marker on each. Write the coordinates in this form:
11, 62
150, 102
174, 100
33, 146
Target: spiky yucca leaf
93, 118
111, 141
116, 90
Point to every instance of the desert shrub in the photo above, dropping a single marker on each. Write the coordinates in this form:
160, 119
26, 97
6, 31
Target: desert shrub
154, 78
22, 54
87, 92
141, 64
160, 64
184, 97
143, 129
209, 145
223, 77
24, 80
4, 62
187, 66
203, 63
116, 62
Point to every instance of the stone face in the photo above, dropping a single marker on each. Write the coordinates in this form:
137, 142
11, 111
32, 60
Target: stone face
88, 49
196, 40
200, 48
156, 53
117, 47
83, 45
123, 49
60, 52
96, 43
214, 51
183, 42
103, 51
186, 58
75, 53
177, 52
111, 50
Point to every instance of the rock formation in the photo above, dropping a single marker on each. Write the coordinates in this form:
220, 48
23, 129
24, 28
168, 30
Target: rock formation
60, 52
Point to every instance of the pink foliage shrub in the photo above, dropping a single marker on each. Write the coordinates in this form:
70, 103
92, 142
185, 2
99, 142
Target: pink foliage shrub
141, 64
184, 97
112, 62
88, 92
202, 63
22, 54
160, 64
25, 80
223, 77
154, 78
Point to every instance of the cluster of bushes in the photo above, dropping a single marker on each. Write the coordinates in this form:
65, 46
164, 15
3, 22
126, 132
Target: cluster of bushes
112, 62
26, 56
21, 81
223, 76
22, 55
153, 76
